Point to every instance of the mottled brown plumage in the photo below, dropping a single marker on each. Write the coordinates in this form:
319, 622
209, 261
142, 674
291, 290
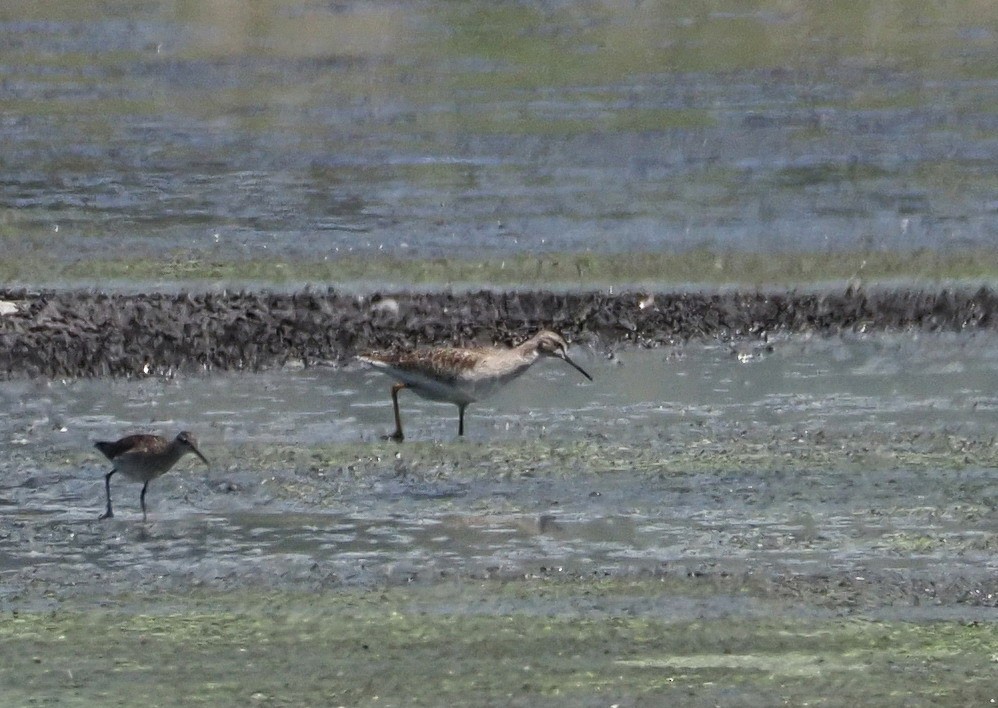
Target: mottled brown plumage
445, 365
143, 458
463, 375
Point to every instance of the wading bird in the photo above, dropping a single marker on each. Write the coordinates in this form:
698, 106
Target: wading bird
463, 375
143, 458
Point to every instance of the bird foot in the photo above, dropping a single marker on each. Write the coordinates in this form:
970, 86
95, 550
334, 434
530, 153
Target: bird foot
106, 515
397, 436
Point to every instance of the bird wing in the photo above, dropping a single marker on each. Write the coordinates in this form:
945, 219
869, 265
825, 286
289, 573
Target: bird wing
130, 443
446, 365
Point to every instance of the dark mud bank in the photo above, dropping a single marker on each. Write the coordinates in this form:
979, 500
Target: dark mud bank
99, 334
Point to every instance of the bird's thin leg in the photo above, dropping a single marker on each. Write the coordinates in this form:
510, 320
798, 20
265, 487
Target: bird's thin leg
108, 514
397, 436
460, 419
142, 500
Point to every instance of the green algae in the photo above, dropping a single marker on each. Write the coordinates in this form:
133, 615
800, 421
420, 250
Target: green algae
702, 266
435, 645
295, 470
461, 459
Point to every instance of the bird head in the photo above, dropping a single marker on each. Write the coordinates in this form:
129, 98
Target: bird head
189, 443
550, 343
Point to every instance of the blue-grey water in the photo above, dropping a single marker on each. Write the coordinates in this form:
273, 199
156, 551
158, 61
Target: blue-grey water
308, 130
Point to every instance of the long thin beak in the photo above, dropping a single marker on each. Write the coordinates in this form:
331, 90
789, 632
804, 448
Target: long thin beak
203, 458
578, 368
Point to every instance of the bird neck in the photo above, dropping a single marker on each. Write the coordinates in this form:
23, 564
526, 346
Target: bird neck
175, 450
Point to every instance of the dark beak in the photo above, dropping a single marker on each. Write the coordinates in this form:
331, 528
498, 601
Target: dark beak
203, 458
578, 368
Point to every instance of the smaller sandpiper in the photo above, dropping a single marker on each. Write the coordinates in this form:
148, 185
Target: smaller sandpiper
143, 458
463, 375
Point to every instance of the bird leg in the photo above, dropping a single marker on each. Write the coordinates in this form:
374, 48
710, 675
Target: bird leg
460, 419
397, 436
142, 500
108, 514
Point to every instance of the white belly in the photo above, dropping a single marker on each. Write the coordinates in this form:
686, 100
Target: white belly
466, 389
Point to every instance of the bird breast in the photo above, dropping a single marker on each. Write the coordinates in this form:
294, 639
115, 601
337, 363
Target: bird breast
143, 466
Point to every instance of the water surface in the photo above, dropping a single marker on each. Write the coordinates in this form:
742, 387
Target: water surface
303, 131
862, 457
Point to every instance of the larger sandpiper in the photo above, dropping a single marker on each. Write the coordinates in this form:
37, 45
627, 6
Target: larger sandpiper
143, 458
461, 375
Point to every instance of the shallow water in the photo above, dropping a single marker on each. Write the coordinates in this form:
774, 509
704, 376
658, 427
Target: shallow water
701, 525
795, 383
299, 130
805, 458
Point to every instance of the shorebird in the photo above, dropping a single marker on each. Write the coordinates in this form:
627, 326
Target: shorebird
463, 375
143, 458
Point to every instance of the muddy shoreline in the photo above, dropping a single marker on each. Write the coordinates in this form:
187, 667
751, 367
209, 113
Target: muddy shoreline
89, 333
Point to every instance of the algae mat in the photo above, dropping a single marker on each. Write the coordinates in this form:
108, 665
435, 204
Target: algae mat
589, 642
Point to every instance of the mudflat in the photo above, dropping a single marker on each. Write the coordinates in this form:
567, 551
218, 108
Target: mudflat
807, 518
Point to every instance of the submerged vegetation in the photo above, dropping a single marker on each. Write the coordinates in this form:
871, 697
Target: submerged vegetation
444, 644
697, 267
